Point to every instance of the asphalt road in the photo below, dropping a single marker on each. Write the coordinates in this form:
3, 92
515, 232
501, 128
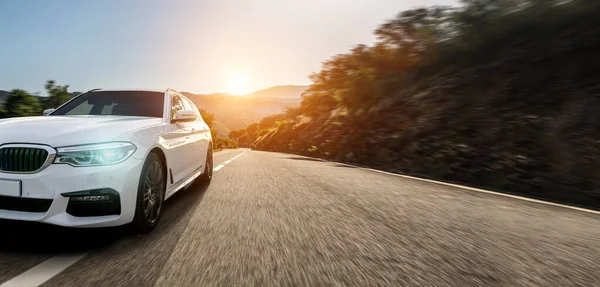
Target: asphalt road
272, 219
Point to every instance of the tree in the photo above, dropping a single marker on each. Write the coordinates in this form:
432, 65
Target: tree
57, 95
218, 142
414, 35
21, 104
209, 119
252, 129
270, 121
236, 133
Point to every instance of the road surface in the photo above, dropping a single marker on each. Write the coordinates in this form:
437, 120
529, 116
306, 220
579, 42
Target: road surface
271, 219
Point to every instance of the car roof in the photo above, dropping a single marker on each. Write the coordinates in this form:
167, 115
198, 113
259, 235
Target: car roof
129, 90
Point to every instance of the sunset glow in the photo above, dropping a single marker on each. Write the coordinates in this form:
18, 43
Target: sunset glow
239, 83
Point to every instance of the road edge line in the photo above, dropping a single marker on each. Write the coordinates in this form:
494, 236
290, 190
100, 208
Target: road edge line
487, 191
466, 187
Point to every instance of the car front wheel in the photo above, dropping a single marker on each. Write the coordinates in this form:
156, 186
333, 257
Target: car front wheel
150, 197
206, 176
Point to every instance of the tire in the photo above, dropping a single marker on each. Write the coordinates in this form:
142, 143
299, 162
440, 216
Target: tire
206, 176
150, 196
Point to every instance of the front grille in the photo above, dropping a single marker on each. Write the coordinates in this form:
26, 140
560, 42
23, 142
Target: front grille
24, 204
22, 159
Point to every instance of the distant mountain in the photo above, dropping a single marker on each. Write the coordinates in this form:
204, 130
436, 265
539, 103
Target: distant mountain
280, 92
236, 112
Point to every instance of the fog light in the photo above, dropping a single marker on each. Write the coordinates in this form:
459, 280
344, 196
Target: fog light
96, 202
91, 198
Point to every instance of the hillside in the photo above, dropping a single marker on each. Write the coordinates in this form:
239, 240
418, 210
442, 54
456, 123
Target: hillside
506, 100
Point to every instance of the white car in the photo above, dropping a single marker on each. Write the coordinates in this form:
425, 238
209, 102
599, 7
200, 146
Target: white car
104, 158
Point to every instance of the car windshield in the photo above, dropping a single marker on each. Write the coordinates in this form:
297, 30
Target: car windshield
115, 103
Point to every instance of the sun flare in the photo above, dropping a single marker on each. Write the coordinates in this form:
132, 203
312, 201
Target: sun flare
239, 82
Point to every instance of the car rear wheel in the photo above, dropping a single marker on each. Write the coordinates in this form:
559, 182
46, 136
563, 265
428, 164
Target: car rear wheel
150, 197
206, 176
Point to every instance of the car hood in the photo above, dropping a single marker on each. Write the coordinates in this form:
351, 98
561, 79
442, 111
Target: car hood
70, 130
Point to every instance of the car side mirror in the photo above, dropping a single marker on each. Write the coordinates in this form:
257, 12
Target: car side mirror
48, 111
185, 116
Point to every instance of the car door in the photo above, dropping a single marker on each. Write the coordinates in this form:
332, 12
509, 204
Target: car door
197, 133
204, 132
180, 143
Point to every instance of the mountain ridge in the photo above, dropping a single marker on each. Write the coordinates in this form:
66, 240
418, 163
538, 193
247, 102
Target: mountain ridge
286, 91
275, 92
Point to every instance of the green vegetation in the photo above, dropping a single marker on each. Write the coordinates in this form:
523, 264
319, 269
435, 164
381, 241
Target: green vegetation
219, 142
57, 95
19, 103
502, 94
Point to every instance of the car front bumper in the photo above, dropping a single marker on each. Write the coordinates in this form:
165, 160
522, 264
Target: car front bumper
49, 186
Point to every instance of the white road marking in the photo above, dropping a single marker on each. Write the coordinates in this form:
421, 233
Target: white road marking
44, 271
239, 154
218, 167
472, 188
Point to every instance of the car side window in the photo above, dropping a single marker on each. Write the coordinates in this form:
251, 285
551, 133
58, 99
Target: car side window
176, 105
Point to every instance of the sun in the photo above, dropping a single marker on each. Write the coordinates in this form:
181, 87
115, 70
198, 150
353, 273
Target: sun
239, 82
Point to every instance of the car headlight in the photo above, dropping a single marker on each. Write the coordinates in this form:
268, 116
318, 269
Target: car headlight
95, 154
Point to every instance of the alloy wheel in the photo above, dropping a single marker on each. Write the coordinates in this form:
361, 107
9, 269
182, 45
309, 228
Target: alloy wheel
153, 192
209, 164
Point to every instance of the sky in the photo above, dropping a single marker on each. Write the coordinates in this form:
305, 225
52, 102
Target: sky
195, 46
